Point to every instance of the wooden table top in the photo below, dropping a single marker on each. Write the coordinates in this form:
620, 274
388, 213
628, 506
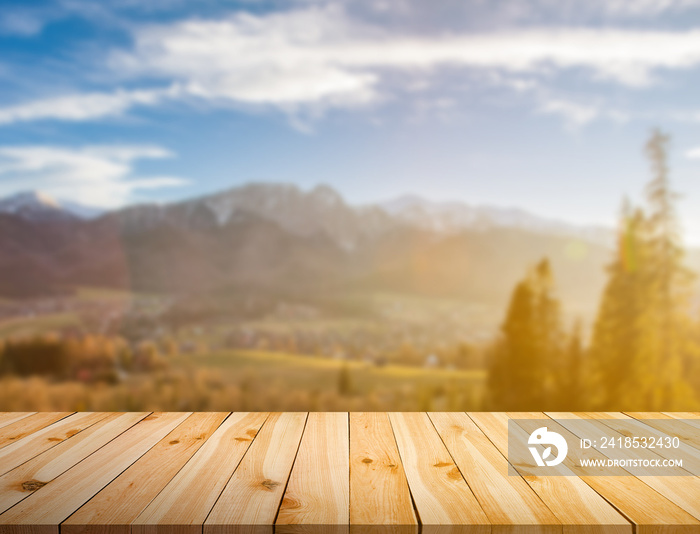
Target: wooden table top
120, 473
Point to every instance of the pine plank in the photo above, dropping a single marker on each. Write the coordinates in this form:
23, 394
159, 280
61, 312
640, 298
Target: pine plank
47, 507
23, 450
510, 504
189, 497
575, 504
253, 495
28, 425
592, 428
441, 495
681, 490
379, 493
114, 508
691, 418
317, 496
630, 427
687, 433
44, 468
104, 473
629, 494
7, 418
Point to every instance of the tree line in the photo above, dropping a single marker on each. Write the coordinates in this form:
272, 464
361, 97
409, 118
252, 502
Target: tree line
643, 351
83, 357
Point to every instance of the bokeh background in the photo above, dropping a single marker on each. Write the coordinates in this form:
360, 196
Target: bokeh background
367, 205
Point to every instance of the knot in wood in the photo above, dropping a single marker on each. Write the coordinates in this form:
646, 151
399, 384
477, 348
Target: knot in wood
270, 484
33, 485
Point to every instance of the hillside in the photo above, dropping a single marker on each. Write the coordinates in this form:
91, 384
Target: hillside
278, 239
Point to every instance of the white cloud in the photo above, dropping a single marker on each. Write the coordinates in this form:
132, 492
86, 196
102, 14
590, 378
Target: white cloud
504, 12
319, 54
577, 11
80, 107
573, 113
22, 23
578, 114
644, 7
319, 57
283, 59
693, 153
93, 175
514, 82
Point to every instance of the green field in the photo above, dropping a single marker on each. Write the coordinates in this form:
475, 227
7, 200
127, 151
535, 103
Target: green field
311, 373
85, 293
29, 326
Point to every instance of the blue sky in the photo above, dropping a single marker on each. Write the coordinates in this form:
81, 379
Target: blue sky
544, 105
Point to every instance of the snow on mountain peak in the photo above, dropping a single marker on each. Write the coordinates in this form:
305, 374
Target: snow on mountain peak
320, 210
29, 199
456, 216
38, 205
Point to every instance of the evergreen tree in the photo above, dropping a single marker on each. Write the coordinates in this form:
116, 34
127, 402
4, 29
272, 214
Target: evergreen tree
637, 343
525, 357
622, 346
571, 382
671, 279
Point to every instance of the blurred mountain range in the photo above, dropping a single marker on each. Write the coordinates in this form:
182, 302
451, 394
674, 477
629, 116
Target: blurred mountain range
322, 210
281, 239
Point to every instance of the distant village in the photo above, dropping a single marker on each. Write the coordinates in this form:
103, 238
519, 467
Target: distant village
291, 328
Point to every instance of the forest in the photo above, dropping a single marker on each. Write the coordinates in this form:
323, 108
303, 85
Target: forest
644, 349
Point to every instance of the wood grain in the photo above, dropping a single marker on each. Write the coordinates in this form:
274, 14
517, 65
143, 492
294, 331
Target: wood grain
629, 427
629, 494
379, 493
440, 493
189, 497
331, 473
253, 495
682, 490
32, 445
25, 426
575, 504
41, 470
7, 418
595, 429
54, 502
317, 497
114, 508
687, 433
691, 418
510, 504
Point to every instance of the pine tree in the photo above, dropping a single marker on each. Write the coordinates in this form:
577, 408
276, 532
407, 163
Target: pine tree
622, 348
670, 277
636, 351
524, 358
571, 380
